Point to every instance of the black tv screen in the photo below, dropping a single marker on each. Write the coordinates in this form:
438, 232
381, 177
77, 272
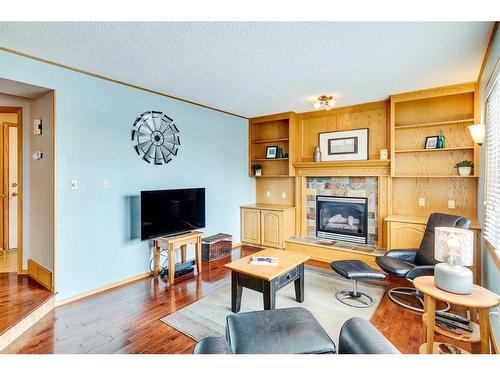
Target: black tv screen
168, 212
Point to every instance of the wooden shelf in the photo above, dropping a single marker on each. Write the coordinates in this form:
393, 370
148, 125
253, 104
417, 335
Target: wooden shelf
473, 337
435, 149
435, 349
421, 220
264, 159
271, 140
430, 124
343, 168
434, 176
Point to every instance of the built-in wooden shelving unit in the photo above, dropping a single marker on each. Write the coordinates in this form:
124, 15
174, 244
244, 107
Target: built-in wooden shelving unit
430, 173
274, 130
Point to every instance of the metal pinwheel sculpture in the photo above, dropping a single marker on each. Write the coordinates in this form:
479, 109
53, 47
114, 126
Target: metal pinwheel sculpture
156, 137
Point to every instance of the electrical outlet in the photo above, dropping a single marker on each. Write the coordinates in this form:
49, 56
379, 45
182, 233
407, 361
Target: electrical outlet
421, 202
105, 184
268, 194
283, 195
74, 184
451, 203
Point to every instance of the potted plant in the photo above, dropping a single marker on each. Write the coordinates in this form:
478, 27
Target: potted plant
257, 169
464, 167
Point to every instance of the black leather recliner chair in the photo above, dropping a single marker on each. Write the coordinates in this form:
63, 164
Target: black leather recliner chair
292, 331
412, 263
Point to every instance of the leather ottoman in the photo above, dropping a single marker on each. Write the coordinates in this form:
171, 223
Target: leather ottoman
283, 331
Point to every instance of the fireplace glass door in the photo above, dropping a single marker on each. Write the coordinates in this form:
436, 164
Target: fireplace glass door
342, 218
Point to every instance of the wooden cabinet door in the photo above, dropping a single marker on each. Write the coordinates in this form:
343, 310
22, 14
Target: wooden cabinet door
271, 228
250, 226
405, 235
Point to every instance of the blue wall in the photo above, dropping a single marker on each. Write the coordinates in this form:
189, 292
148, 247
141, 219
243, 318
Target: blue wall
97, 230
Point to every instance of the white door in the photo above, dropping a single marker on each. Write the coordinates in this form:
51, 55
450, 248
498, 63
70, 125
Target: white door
13, 191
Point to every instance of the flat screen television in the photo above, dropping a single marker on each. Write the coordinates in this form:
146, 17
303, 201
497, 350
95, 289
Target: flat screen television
169, 212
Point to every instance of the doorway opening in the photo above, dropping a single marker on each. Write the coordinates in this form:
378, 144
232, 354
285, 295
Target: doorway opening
11, 192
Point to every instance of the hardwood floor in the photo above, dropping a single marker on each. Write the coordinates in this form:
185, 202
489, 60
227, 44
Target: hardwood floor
127, 319
19, 295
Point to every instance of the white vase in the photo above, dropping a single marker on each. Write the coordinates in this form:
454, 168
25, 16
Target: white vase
258, 172
464, 171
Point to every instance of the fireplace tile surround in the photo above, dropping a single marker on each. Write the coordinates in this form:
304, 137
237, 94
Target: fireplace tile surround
366, 187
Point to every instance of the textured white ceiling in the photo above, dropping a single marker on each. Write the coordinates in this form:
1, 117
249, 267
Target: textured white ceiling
261, 68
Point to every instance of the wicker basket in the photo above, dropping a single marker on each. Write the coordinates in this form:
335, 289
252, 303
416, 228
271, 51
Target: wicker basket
216, 246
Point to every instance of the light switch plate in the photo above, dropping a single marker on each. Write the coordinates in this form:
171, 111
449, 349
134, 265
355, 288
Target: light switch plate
268, 194
74, 184
37, 126
421, 202
283, 195
105, 184
451, 203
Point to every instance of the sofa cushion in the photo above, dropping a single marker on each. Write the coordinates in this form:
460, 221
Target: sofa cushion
283, 331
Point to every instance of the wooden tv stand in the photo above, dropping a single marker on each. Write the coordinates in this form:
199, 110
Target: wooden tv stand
171, 244
326, 251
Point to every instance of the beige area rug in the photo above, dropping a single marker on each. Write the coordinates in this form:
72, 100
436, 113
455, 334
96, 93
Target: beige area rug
207, 316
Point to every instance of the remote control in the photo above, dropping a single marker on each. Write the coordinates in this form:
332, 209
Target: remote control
454, 317
448, 328
453, 323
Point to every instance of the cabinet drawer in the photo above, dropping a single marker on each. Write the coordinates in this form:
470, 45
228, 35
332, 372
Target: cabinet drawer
287, 277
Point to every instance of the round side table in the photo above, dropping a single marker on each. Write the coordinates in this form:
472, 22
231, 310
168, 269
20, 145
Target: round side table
480, 298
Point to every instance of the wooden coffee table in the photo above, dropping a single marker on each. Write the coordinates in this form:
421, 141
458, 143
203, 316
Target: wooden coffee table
267, 279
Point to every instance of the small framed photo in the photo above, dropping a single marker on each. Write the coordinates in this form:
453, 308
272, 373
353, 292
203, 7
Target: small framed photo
431, 142
271, 152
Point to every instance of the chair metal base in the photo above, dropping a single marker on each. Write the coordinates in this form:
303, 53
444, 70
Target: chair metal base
353, 297
400, 295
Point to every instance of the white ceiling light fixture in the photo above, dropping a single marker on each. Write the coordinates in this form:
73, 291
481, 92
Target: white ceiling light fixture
324, 102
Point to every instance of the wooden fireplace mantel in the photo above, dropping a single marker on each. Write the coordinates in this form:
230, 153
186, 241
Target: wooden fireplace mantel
343, 168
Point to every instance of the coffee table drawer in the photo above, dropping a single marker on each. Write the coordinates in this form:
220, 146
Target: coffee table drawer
287, 277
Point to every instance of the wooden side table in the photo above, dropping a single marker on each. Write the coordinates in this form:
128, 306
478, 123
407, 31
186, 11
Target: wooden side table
480, 298
171, 244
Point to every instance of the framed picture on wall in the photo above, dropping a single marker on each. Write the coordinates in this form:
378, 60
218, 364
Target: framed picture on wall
271, 152
344, 145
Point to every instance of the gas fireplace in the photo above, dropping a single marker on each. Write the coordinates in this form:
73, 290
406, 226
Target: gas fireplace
342, 218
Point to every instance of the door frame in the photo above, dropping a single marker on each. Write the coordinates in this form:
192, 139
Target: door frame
20, 186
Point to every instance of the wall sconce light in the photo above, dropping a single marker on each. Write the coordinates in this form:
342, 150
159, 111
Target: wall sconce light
325, 102
477, 133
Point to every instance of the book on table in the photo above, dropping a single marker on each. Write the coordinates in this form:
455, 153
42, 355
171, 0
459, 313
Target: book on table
264, 261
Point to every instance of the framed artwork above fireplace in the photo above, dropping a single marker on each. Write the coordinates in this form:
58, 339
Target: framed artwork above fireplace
344, 145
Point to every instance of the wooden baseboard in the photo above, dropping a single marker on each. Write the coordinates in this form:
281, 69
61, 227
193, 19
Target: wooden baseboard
104, 288
235, 245
26, 323
40, 274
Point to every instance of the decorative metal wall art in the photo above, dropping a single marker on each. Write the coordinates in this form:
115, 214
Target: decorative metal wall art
155, 137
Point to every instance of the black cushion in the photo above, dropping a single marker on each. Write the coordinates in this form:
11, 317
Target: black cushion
394, 266
359, 336
355, 269
212, 345
282, 331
